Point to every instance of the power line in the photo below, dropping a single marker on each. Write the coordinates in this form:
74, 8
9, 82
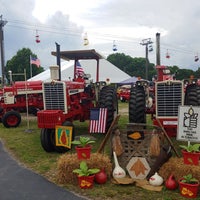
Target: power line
71, 31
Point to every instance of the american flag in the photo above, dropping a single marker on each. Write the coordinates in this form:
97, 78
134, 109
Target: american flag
98, 118
35, 61
79, 69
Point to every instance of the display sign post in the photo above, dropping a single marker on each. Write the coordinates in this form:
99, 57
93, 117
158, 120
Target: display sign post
189, 123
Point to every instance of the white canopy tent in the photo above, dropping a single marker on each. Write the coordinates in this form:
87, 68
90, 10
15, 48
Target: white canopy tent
106, 71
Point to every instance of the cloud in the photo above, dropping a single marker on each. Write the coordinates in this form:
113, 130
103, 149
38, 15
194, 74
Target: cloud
179, 18
20, 32
127, 22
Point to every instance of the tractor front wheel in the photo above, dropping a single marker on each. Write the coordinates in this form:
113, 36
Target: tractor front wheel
11, 119
46, 139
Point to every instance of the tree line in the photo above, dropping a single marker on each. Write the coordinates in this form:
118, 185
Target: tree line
137, 67
132, 66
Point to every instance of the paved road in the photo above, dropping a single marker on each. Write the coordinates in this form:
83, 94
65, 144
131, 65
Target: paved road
19, 183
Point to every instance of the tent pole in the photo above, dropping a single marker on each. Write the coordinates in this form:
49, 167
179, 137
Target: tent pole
97, 74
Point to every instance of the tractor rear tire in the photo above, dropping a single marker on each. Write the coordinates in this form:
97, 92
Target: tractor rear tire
198, 95
1, 113
192, 95
137, 105
46, 139
11, 119
108, 99
33, 110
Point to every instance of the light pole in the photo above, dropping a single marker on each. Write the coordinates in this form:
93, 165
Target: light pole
146, 42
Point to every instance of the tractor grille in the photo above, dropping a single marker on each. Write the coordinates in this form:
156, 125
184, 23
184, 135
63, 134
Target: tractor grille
169, 97
54, 96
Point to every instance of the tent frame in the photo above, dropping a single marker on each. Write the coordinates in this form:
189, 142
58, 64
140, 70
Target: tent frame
80, 55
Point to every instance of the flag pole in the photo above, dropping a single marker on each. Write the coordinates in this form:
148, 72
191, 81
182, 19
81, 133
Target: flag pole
26, 100
30, 67
28, 130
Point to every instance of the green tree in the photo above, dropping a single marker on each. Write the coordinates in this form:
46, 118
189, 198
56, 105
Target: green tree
184, 74
20, 62
137, 67
120, 60
197, 73
132, 66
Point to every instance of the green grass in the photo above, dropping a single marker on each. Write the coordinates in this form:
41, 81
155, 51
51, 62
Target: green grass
26, 148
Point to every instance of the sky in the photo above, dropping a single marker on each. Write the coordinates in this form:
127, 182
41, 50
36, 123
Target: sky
105, 22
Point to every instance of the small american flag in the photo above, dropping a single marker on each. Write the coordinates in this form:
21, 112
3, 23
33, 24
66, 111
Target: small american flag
79, 69
98, 118
35, 61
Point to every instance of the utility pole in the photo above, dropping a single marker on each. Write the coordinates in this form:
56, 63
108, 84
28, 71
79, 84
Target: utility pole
2, 24
146, 43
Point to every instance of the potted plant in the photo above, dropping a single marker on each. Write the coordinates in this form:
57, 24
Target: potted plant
191, 154
83, 147
85, 175
189, 186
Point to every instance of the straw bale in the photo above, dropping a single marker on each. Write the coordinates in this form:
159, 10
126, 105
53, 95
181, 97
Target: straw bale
68, 162
176, 167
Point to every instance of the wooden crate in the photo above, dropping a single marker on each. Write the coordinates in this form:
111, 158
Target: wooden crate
139, 147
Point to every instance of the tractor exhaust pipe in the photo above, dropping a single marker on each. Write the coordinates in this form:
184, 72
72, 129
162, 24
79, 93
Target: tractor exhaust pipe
157, 48
58, 60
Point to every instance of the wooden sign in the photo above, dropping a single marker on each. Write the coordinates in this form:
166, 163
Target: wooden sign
64, 136
138, 168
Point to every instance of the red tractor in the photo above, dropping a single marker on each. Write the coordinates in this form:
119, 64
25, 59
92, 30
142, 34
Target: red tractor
67, 101
162, 100
124, 93
15, 99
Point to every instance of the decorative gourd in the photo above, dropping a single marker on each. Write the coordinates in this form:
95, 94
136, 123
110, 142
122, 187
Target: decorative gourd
101, 177
171, 183
156, 180
118, 172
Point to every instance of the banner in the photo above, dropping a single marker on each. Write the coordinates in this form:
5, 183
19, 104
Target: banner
188, 123
64, 136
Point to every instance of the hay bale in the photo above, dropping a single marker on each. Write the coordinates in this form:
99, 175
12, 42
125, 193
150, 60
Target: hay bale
68, 162
176, 167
